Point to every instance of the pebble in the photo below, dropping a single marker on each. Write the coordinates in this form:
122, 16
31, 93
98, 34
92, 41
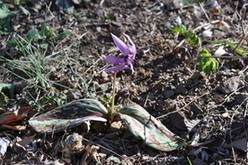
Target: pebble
168, 93
230, 85
180, 89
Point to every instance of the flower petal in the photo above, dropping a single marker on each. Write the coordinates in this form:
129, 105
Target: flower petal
115, 68
134, 51
121, 45
115, 60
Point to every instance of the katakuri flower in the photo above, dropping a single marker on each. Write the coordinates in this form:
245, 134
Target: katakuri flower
125, 61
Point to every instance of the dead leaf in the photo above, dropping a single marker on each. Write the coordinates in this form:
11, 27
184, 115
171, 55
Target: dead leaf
16, 127
85, 155
190, 124
217, 142
27, 140
29, 111
240, 144
4, 143
11, 117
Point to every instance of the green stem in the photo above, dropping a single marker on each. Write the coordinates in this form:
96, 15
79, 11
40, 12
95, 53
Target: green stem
112, 111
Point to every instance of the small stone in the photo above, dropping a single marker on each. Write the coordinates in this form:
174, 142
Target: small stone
116, 125
199, 161
230, 85
180, 89
104, 75
168, 93
72, 145
170, 5
240, 98
195, 109
198, 75
177, 120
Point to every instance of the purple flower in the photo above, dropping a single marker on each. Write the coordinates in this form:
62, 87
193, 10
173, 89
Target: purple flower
125, 61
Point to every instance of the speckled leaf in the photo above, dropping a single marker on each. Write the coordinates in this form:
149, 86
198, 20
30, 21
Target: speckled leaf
149, 129
69, 116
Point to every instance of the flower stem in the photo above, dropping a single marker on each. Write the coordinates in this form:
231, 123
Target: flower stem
112, 111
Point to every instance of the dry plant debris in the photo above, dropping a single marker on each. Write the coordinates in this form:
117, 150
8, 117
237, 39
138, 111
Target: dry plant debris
51, 54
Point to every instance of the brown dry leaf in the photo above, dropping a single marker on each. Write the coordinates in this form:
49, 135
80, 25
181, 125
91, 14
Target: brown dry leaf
29, 111
25, 141
16, 127
223, 25
10, 117
15, 116
85, 155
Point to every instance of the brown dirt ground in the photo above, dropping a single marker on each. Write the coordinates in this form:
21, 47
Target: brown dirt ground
165, 72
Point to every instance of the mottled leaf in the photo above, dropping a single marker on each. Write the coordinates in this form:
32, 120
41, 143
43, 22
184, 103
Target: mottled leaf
149, 129
69, 116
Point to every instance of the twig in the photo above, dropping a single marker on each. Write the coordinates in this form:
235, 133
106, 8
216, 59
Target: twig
204, 11
233, 151
243, 32
207, 24
105, 148
179, 45
146, 99
246, 134
228, 97
101, 3
162, 116
240, 57
92, 66
112, 111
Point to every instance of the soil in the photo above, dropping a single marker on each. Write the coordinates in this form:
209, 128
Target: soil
209, 111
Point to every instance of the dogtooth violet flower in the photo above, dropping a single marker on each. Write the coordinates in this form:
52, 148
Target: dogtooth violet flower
125, 61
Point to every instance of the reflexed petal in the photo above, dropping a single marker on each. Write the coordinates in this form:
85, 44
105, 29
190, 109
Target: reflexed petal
132, 51
121, 45
115, 60
114, 68
133, 46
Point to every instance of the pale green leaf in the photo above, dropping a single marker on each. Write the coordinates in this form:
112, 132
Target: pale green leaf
5, 12
180, 29
207, 64
239, 50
